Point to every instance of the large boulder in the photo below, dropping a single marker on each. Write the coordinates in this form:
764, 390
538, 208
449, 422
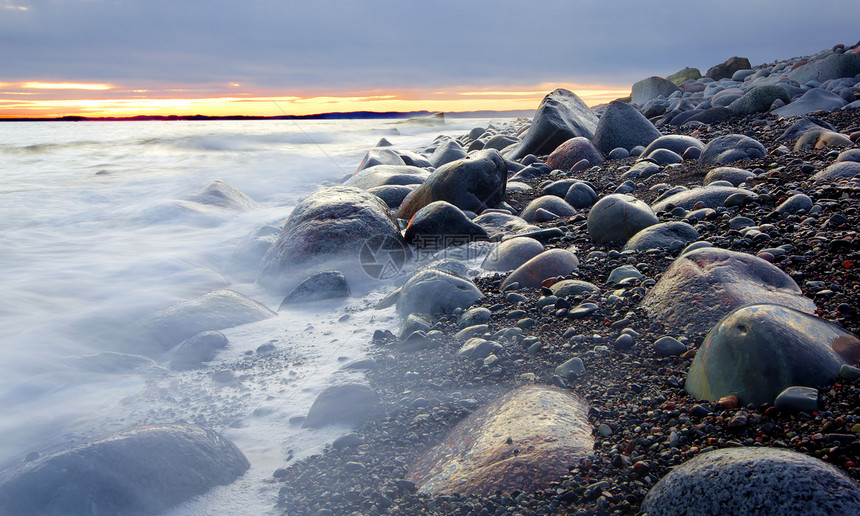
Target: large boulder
815, 99
146, 470
326, 231
561, 116
441, 224
802, 126
651, 88
224, 195
665, 235
677, 143
759, 99
392, 195
704, 285
617, 217
710, 196
512, 253
548, 264
728, 68
446, 152
380, 156
729, 148
217, 310
386, 175
733, 175
758, 351
682, 76
436, 292
346, 403
549, 204
833, 66
318, 287
622, 125
522, 441
838, 170
498, 224
474, 183
571, 152
756, 480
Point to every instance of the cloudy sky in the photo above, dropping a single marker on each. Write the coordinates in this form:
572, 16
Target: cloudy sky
268, 56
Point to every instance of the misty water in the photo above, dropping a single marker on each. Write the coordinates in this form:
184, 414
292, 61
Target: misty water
97, 230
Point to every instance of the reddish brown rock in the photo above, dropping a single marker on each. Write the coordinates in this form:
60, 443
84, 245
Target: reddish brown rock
571, 152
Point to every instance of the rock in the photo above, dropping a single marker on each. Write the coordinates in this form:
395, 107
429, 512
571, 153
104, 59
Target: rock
318, 287
728, 68
347, 403
247, 256
833, 66
435, 292
617, 217
571, 152
558, 188
710, 197
549, 203
735, 176
548, 264
815, 99
391, 195
441, 224
217, 310
474, 183
511, 254
561, 116
498, 225
842, 169
570, 369
413, 323
623, 272
474, 316
759, 99
348, 440
821, 139
794, 204
704, 285
479, 349
797, 399
446, 152
758, 351
523, 441
622, 125
200, 348
665, 235
740, 75
328, 230
664, 157
380, 155
572, 288
146, 470
849, 155
676, 143
668, 347
223, 195
501, 142
387, 175
723, 150
682, 76
414, 159
618, 153
803, 126
751, 480
580, 196
710, 116
651, 88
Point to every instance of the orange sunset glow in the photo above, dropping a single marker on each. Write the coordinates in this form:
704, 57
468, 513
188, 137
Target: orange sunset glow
51, 99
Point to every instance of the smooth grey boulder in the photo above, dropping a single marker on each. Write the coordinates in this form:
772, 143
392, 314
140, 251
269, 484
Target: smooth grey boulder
146, 470
501, 142
387, 175
446, 152
479, 349
548, 264
816, 99
549, 203
839, 170
797, 399
704, 285
754, 480
414, 159
318, 287
849, 155
436, 292
794, 204
580, 196
803, 126
710, 196
668, 346
833, 66
664, 157
622, 125
651, 88
558, 188
617, 217
441, 224
728, 68
224, 195
573, 288
733, 175
474, 316
561, 116
729, 148
548, 426
573, 151
347, 403
512, 253
193, 352
392, 195
474, 183
498, 225
759, 99
380, 155
622, 273
217, 310
677, 143
665, 235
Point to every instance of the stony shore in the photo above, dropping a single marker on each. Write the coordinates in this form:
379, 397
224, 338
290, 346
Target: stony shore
643, 421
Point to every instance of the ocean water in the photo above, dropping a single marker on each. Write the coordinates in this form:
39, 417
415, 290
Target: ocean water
98, 229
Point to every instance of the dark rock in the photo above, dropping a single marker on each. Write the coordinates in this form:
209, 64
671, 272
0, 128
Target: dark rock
580, 196
833, 66
617, 217
733, 175
380, 155
668, 346
548, 264
571, 152
710, 196
665, 235
549, 203
622, 125
446, 152
676, 143
797, 399
440, 224
759, 99
651, 88
500, 224
723, 150
727, 69
318, 287
561, 116
391, 195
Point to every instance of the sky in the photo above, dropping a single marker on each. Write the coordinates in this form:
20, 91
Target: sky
272, 57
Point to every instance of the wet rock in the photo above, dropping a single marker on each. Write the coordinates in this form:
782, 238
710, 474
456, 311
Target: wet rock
548, 264
435, 292
664, 157
728, 68
501, 142
346, 403
702, 286
758, 351
733, 175
500, 224
193, 352
665, 235
224, 195
146, 470
710, 197
391, 195
549, 203
387, 175
797, 399
651, 88
440, 224
617, 217
511, 254
571, 152
447, 152
318, 287
521, 441
474, 183
561, 116
380, 155
668, 346
623, 126
729, 148
795, 203
753, 480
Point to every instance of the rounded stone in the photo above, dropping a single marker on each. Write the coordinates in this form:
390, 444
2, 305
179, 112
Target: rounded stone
549, 203
346, 403
622, 126
676, 143
849, 155
797, 399
548, 264
436, 292
560, 116
498, 225
794, 204
754, 481
759, 99
617, 217
318, 287
439, 224
580, 196
840, 170
391, 195
733, 175
192, 352
730, 148
664, 157
651, 88
387, 175
473, 317
665, 235
512, 253
571, 288
710, 197
569, 153
816, 99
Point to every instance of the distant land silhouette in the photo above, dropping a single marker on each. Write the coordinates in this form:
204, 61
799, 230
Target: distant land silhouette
352, 115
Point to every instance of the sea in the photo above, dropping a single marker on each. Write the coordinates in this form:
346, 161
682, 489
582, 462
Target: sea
99, 228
